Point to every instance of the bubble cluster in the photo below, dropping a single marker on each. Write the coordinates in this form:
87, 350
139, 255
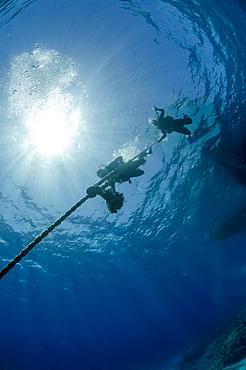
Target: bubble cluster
38, 77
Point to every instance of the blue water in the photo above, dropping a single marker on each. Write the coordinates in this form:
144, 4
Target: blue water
130, 290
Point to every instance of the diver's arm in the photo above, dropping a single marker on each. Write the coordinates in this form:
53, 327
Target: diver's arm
161, 110
162, 138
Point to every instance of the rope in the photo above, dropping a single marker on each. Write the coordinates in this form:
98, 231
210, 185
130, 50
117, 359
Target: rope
40, 237
107, 179
110, 178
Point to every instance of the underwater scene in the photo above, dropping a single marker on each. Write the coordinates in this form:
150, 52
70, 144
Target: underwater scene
123, 184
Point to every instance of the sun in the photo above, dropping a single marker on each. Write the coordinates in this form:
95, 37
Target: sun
49, 133
51, 130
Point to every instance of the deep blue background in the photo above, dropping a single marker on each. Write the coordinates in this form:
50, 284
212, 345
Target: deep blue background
132, 290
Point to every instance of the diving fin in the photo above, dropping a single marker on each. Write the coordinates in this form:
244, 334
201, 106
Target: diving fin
190, 139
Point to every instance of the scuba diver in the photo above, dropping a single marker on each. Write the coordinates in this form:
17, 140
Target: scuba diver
130, 169
168, 124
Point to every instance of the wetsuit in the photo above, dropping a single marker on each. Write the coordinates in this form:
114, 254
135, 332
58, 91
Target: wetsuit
168, 124
131, 170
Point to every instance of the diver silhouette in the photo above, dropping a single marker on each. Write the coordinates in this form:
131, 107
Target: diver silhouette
114, 199
131, 169
168, 124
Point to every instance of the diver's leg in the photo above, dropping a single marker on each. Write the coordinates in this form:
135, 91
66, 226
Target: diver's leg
178, 125
187, 120
136, 172
182, 130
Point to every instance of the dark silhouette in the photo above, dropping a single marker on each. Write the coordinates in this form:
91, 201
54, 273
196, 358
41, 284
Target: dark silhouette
168, 124
131, 169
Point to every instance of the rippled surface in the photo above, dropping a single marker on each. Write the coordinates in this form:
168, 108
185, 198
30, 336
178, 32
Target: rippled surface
131, 290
